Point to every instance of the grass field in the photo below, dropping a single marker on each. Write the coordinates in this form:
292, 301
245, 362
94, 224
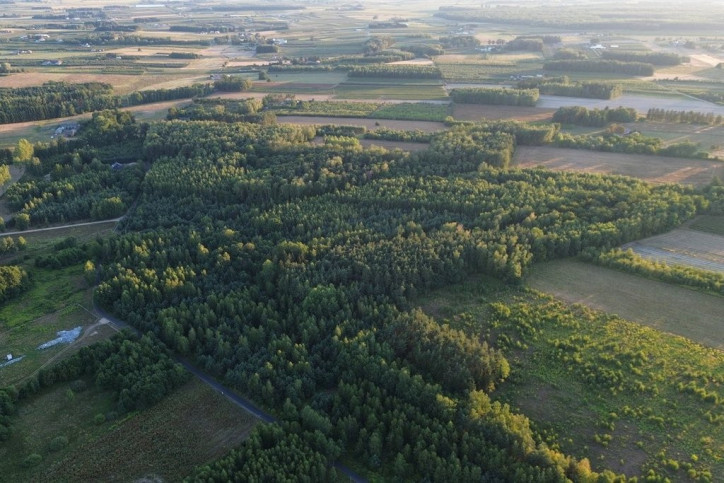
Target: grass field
391, 90
662, 306
476, 112
683, 247
191, 426
709, 224
594, 385
654, 169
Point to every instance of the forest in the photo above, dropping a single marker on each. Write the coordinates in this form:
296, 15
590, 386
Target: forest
287, 270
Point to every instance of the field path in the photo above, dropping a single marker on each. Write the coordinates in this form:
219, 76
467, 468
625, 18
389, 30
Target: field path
60, 227
207, 379
670, 308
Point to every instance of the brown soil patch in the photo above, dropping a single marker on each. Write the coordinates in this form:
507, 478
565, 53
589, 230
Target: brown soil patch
654, 169
476, 112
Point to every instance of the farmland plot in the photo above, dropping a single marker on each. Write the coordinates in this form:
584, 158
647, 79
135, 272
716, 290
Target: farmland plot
683, 247
654, 169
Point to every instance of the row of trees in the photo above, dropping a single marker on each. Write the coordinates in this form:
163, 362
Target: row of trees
654, 58
495, 96
614, 66
592, 90
629, 261
633, 143
594, 117
397, 71
688, 117
59, 99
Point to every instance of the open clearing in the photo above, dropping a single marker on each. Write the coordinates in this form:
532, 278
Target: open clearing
191, 426
663, 306
476, 112
654, 169
405, 146
683, 247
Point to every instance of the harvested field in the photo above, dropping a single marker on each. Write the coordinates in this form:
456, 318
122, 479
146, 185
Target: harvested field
654, 169
476, 112
426, 126
663, 306
122, 83
683, 247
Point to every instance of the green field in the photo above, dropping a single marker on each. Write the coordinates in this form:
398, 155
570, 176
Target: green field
623, 395
659, 305
191, 426
709, 224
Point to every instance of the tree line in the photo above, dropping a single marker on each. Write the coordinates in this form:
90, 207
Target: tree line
615, 66
684, 117
582, 116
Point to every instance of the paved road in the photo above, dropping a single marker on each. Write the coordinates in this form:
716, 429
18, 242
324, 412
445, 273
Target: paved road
70, 225
207, 379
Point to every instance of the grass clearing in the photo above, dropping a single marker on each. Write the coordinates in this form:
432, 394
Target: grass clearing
477, 112
597, 386
654, 169
191, 426
708, 224
662, 306
411, 92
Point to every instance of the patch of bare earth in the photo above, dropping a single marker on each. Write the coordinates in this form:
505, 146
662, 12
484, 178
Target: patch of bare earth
654, 169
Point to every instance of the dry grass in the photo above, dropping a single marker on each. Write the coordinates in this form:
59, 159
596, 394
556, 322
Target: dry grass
476, 112
665, 307
122, 83
654, 169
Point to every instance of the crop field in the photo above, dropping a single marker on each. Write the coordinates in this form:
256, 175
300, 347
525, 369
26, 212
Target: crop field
391, 90
191, 426
654, 169
683, 247
476, 112
709, 137
659, 305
